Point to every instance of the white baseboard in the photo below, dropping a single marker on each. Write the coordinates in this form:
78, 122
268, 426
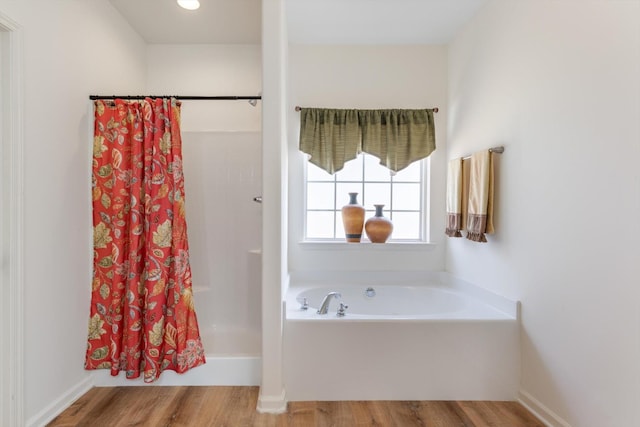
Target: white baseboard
544, 414
272, 404
63, 402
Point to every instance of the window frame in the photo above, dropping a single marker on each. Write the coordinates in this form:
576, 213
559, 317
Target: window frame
423, 212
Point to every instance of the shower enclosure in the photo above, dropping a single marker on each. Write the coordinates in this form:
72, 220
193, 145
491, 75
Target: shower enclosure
223, 175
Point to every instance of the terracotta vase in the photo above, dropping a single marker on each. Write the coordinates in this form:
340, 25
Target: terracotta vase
353, 219
378, 227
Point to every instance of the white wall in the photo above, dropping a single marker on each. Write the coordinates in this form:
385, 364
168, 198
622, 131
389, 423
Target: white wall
209, 70
70, 49
367, 77
557, 83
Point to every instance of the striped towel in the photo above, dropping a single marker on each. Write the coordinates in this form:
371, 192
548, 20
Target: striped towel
480, 216
454, 198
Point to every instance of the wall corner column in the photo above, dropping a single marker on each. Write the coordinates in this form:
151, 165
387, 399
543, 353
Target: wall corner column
274, 207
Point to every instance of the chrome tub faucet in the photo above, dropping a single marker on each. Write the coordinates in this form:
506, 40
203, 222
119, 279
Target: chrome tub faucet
324, 307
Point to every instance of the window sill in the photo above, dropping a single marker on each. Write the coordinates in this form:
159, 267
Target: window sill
365, 246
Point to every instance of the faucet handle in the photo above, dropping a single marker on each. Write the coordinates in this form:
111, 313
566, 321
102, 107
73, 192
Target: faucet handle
342, 310
304, 305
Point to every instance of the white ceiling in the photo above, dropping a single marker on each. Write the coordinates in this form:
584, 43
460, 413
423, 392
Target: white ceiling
216, 22
377, 21
309, 21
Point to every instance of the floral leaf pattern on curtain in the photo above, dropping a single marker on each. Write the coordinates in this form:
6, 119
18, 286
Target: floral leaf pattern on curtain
142, 318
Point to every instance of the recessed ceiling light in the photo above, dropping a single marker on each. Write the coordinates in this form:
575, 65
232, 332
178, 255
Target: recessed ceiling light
189, 4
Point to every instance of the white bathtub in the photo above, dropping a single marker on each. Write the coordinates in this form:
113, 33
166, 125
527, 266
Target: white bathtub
426, 337
390, 302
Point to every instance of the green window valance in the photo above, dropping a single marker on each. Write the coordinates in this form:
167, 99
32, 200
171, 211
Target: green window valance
397, 137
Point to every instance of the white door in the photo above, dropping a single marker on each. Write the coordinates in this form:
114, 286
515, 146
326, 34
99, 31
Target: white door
11, 167
5, 395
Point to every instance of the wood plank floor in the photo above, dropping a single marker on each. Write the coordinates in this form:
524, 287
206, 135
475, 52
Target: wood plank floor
235, 407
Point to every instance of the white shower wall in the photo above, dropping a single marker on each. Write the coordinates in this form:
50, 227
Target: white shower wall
222, 176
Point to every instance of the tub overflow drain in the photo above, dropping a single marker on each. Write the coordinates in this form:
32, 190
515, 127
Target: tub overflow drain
370, 292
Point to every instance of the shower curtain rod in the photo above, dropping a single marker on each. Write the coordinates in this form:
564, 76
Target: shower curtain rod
182, 98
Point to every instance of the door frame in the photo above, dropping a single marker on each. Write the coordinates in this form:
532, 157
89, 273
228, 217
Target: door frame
12, 193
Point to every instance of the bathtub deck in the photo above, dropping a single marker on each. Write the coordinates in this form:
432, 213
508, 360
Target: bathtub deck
235, 406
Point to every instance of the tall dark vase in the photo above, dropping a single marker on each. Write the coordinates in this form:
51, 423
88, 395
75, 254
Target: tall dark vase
353, 219
378, 228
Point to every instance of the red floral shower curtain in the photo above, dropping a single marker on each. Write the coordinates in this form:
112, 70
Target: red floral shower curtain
142, 315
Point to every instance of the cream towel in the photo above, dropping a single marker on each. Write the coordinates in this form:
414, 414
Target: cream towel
480, 217
454, 198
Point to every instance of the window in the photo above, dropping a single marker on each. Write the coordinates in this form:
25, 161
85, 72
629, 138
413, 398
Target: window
403, 196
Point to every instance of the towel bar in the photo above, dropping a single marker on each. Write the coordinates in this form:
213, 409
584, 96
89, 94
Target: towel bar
497, 150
